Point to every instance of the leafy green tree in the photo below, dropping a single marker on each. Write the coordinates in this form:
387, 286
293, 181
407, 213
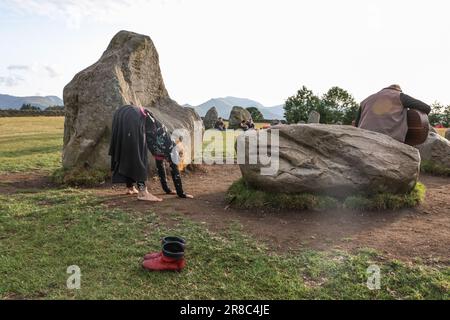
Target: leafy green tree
257, 116
335, 106
350, 115
298, 107
446, 117
338, 106
437, 115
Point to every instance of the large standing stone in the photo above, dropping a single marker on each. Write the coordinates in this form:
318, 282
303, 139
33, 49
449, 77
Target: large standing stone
127, 73
436, 150
237, 115
211, 118
433, 129
337, 161
314, 117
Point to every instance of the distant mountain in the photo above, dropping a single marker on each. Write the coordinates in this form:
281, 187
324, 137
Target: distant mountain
277, 111
225, 105
11, 102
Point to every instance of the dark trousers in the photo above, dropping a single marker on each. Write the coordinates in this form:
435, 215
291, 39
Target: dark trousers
176, 177
130, 183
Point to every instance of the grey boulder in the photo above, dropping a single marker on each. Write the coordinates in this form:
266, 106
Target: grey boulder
436, 150
337, 161
314, 117
237, 115
211, 118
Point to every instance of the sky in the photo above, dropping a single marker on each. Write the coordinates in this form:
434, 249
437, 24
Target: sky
258, 49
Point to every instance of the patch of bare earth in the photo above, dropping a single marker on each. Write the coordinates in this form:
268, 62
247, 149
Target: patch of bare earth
10, 183
408, 234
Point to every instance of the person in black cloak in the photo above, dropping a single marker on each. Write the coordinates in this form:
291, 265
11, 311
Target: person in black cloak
128, 151
134, 131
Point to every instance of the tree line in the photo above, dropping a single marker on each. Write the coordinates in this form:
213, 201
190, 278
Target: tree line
440, 115
28, 110
338, 106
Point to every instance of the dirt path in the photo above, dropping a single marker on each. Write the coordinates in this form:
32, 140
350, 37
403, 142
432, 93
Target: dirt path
410, 234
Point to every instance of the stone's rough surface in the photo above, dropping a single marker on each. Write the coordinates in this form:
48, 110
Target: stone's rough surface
314, 117
337, 161
237, 115
212, 116
127, 73
436, 150
447, 134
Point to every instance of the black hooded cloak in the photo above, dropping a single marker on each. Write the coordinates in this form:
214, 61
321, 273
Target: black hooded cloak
128, 149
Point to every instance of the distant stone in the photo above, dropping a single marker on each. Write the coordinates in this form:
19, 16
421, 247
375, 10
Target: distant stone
127, 73
275, 122
211, 118
314, 117
447, 134
237, 115
436, 150
338, 161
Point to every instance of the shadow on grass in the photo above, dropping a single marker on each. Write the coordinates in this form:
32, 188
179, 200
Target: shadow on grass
242, 196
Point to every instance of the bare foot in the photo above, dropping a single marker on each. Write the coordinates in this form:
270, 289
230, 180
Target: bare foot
147, 196
188, 196
132, 191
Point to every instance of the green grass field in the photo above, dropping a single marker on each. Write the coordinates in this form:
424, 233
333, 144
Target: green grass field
28, 144
44, 231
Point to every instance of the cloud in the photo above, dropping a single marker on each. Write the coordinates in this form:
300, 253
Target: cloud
18, 73
74, 12
52, 73
19, 68
11, 81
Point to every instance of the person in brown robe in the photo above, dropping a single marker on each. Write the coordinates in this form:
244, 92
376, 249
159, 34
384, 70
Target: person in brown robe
386, 112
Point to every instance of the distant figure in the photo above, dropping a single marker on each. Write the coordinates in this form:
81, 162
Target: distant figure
386, 112
244, 125
250, 124
220, 125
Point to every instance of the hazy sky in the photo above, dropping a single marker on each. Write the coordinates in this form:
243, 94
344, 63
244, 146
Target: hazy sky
262, 50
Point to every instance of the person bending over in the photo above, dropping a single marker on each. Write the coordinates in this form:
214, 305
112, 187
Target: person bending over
220, 125
128, 151
163, 148
386, 112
